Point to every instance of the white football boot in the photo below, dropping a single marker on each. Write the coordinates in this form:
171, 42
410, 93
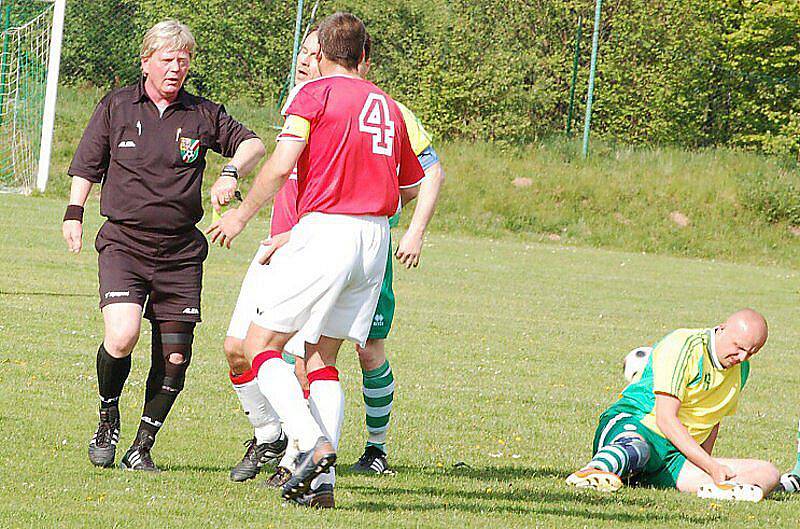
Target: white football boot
730, 491
593, 478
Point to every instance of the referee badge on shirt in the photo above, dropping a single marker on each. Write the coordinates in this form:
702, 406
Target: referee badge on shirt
190, 149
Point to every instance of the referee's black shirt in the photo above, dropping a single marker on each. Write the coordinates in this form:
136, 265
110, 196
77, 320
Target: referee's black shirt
151, 166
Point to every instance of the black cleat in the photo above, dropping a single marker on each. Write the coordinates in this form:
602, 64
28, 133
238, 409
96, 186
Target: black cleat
138, 455
278, 478
319, 498
372, 461
256, 456
308, 466
103, 446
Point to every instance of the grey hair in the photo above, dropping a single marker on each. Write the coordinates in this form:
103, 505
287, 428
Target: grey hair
167, 35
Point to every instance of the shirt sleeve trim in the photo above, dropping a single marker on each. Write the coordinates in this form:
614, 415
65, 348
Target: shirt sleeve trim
415, 184
90, 177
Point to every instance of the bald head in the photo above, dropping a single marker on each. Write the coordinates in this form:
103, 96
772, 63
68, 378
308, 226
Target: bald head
741, 336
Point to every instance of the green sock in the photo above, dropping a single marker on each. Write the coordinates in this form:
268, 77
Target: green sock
289, 359
612, 459
378, 389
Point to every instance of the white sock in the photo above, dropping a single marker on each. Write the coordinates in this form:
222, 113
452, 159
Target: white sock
287, 461
265, 421
327, 406
281, 388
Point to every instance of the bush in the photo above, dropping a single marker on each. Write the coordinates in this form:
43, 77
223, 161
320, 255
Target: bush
739, 204
693, 73
773, 195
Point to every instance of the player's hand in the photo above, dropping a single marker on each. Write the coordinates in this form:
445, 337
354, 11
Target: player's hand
226, 229
272, 244
73, 234
409, 248
720, 473
223, 191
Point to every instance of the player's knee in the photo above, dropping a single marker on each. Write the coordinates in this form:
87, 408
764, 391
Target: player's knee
372, 355
120, 341
175, 372
234, 354
769, 472
636, 448
176, 358
176, 343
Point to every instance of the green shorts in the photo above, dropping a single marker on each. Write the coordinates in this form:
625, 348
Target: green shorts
384, 312
666, 461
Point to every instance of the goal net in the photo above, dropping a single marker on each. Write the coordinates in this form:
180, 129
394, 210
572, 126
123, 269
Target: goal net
26, 29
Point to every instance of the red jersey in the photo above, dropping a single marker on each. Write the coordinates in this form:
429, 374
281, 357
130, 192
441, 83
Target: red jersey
357, 153
284, 208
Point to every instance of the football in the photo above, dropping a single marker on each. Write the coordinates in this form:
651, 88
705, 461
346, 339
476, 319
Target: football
635, 362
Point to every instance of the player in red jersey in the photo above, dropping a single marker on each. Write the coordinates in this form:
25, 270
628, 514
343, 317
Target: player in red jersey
351, 148
268, 442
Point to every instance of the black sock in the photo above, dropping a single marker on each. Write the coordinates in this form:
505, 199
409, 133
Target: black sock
111, 376
156, 409
155, 378
165, 380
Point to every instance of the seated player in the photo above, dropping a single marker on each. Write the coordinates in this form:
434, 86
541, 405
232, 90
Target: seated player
662, 430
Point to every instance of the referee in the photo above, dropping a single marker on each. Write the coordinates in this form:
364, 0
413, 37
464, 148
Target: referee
146, 144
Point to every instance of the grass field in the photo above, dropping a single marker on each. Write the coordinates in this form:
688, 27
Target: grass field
504, 353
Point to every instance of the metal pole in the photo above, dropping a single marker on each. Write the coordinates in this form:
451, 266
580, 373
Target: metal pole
289, 83
298, 24
590, 92
574, 76
310, 20
48, 118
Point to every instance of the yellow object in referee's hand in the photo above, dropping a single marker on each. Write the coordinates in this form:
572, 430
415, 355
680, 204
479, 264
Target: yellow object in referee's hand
215, 215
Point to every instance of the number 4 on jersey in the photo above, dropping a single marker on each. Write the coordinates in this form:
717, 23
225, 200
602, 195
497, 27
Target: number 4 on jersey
375, 120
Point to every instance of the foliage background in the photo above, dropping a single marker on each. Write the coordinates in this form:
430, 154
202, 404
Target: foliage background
714, 78
692, 73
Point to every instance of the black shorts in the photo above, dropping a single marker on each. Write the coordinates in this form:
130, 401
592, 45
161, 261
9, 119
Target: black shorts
165, 270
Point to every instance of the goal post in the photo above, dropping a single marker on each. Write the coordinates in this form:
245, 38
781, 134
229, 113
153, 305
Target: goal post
51, 89
31, 47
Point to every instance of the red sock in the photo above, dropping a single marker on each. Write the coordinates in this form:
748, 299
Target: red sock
238, 380
262, 357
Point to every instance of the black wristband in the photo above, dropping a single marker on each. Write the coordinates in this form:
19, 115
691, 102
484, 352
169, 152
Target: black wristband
230, 171
74, 212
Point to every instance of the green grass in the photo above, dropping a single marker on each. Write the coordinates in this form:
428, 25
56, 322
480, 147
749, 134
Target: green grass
740, 205
505, 352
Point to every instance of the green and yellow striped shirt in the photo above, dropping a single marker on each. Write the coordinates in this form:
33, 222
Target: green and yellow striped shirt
683, 364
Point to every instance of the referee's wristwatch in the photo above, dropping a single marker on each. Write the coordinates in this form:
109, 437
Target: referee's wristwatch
230, 171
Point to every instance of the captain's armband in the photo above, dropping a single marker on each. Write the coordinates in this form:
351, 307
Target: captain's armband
294, 128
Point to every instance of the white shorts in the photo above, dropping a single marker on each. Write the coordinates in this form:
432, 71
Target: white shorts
246, 306
327, 279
